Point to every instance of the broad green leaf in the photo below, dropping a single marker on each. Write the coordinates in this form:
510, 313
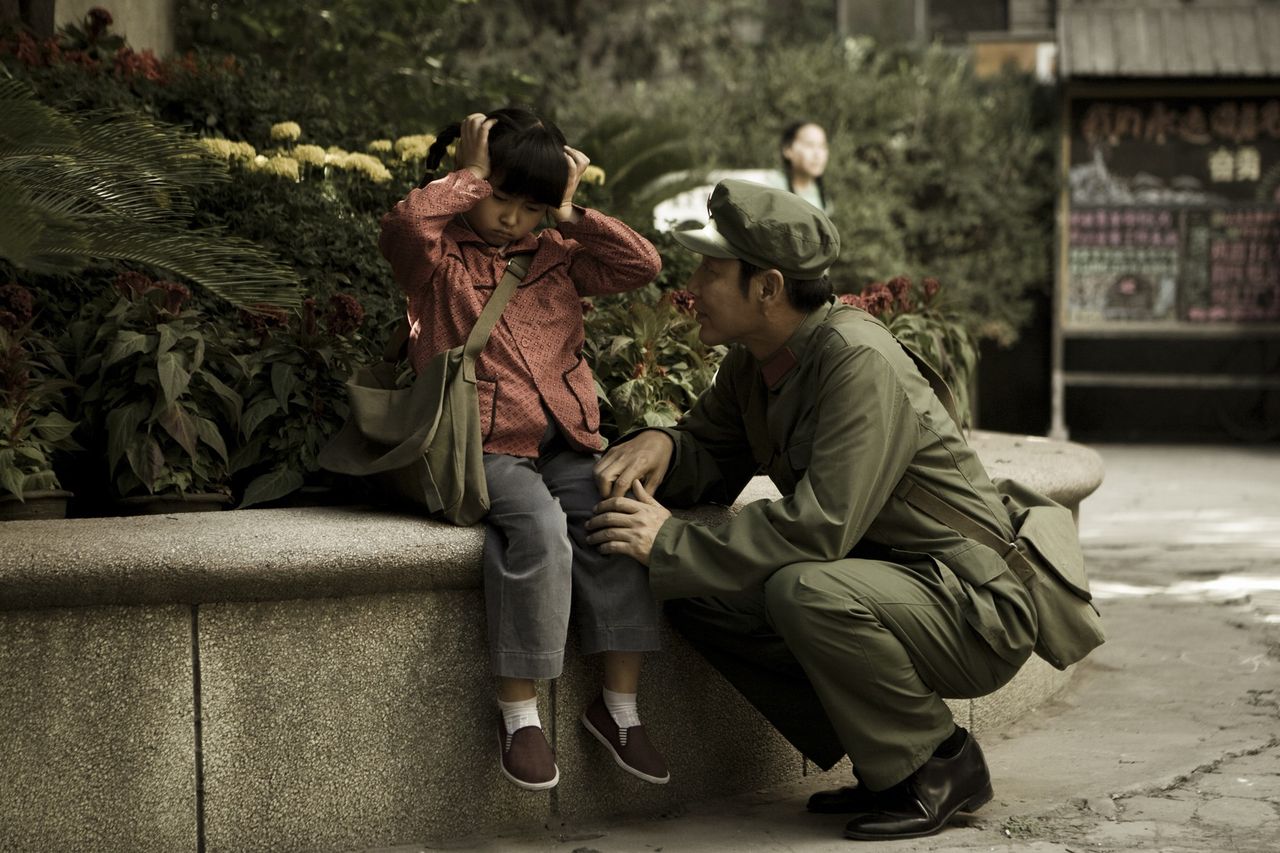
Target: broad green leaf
126, 344
122, 428
245, 456
174, 379
146, 459
53, 427
232, 401
283, 381
167, 338
12, 479
181, 427
209, 434
276, 483
256, 414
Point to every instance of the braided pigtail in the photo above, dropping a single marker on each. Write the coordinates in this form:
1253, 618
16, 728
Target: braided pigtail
435, 154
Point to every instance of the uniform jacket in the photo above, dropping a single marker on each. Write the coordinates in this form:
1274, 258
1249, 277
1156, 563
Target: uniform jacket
533, 361
836, 419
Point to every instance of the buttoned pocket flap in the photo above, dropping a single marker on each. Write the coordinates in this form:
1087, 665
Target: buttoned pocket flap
1050, 532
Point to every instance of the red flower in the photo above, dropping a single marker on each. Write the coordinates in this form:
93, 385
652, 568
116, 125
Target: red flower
587, 306
28, 51
931, 288
683, 300
262, 318
175, 295
877, 298
900, 287
130, 65
309, 316
346, 314
16, 306
853, 299
132, 284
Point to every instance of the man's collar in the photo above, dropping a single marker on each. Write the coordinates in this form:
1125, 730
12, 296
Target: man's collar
777, 367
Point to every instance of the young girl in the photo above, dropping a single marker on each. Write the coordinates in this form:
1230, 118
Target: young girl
448, 244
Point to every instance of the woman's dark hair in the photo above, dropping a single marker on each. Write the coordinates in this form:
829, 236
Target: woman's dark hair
789, 136
526, 154
803, 294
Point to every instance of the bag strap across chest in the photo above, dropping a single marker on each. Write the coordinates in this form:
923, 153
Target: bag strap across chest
517, 267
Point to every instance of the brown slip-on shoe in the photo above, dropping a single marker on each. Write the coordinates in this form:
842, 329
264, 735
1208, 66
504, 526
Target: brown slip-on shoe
526, 758
631, 748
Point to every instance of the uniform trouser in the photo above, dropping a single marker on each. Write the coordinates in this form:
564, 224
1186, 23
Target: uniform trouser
849, 657
537, 563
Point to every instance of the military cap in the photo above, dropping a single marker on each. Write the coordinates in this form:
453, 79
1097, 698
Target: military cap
766, 227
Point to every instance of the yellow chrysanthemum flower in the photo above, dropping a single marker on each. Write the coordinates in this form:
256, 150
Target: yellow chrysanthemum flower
228, 150
312, 155
278, 165
369, 166
414, 147
593, 175
286, 131
380, 146
284, 167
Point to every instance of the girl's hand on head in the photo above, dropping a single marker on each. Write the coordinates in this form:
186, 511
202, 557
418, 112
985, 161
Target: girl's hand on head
473, 145
578, 163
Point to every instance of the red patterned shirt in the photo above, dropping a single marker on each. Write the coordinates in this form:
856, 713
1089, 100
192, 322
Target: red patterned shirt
534, 357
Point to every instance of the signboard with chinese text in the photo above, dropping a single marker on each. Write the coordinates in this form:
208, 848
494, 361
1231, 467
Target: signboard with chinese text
1174, 211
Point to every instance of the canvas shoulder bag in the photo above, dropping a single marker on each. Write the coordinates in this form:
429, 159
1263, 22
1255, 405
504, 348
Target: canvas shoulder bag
422, 444
1045, 555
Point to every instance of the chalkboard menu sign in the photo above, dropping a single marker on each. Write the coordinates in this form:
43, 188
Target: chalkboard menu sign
1174, 211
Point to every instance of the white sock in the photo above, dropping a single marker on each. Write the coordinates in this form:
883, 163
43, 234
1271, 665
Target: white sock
516, 715
622, 707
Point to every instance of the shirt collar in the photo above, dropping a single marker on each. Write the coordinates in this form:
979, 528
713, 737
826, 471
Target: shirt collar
777, 367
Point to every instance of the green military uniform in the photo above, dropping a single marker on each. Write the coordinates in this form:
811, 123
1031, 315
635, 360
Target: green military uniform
841, 611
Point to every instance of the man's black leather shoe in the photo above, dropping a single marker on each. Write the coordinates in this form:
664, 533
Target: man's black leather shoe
851, 799
929, 798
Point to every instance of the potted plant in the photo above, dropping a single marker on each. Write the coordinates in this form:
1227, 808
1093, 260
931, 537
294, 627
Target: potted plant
33, 380
153, 392
295, 398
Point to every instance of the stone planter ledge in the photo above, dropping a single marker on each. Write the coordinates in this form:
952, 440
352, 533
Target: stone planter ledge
316, 679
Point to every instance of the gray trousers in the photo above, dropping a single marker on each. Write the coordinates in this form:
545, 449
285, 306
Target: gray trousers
849, 657
537, 565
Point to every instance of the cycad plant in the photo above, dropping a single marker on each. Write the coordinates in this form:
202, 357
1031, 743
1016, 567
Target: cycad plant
644, 163
115, 187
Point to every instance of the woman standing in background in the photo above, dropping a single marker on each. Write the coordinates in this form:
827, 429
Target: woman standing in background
804, 159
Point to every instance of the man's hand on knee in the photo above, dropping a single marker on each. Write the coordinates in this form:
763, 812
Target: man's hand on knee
626, 525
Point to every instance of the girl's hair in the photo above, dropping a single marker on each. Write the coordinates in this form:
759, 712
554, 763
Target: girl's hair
789, 136
526, 153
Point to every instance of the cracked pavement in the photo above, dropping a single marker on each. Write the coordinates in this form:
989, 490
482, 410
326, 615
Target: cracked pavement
1167, 738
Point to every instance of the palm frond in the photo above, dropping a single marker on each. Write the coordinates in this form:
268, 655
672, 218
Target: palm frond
230, 267
112, 186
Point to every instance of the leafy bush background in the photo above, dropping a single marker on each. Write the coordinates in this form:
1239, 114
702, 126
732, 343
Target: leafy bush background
933, 172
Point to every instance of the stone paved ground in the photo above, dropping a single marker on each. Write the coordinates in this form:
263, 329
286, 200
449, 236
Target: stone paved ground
1167, 740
